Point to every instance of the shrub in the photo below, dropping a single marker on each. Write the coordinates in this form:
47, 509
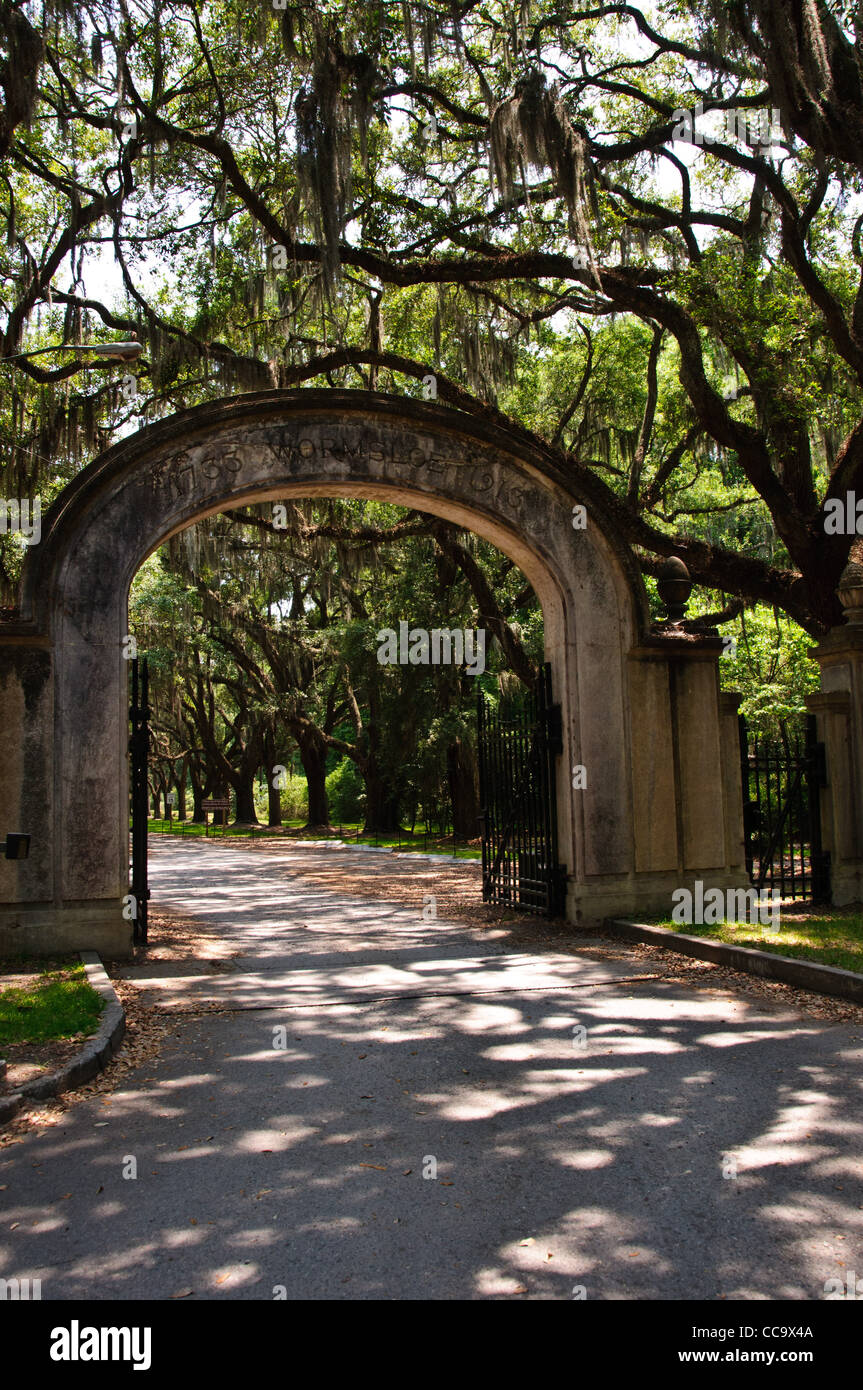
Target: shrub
295, 798
346, 792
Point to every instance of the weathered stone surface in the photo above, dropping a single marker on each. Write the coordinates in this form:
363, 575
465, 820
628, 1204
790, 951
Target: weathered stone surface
69, 785
838, 710
656, 837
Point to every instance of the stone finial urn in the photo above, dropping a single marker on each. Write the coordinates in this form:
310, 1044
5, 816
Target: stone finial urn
850, 591
674, 587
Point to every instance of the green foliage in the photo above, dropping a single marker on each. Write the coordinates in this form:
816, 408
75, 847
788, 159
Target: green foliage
427, 170
766, 660
345, 793
771, 668
294, 798
309, 128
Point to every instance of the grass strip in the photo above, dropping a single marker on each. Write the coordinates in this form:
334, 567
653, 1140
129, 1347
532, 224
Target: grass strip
826, 939
59, 1004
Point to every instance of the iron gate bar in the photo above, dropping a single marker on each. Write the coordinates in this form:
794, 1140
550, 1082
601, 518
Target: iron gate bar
778, 822
781, 780
743, 743
819, 858
517, 752
509, 780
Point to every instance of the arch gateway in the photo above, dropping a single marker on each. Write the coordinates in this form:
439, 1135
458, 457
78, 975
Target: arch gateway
642, 709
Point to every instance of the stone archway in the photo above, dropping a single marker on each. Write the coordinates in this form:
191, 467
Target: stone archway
641, 710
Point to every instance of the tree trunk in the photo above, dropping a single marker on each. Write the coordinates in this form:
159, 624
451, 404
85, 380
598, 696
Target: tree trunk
382, 802
159, 791
274, 793
181, 791
463, 789
274, 801
197, 798
313, 754
244, 786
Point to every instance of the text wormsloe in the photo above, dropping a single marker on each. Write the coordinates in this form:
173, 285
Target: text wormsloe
443, 646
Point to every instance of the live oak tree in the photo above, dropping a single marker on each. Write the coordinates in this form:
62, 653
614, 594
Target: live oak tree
492, 198
263, 640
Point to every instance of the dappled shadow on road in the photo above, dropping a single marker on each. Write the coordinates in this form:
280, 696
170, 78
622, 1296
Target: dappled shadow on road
630, 1138
616, 1161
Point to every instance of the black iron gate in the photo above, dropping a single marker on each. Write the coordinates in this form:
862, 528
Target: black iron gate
139, 748
782, 778
518, 746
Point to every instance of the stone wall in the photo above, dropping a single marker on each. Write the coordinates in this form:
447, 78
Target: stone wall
644, 723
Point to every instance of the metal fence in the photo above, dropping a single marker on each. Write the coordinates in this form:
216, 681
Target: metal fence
519, 743
782, 778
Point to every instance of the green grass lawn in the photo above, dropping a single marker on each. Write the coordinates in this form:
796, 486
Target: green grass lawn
827, 939
431, 844
60, 1004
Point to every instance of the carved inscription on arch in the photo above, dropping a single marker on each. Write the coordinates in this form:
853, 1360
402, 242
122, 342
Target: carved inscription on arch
311, 451
361, 448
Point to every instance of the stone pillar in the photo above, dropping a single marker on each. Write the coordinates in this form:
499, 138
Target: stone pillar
838, 710
688, 810
27, 791
687, 801
732, 780
68, 895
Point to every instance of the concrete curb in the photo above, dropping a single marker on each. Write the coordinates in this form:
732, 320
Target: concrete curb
351, 845
386, 849
95, 1054
823, 979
